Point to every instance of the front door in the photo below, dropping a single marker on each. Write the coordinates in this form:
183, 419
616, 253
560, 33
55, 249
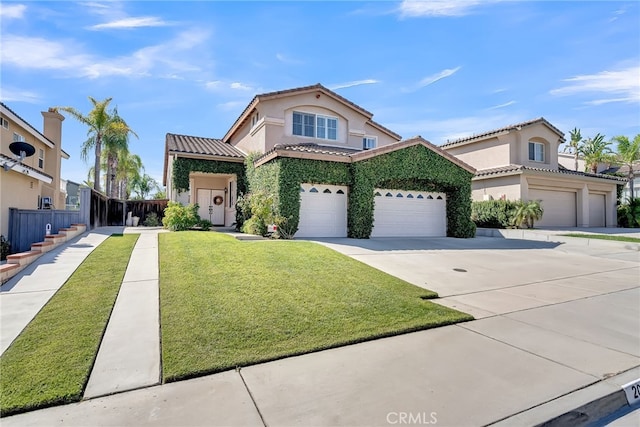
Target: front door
211, 205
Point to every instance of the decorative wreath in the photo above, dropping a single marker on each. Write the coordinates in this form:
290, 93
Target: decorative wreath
217, 200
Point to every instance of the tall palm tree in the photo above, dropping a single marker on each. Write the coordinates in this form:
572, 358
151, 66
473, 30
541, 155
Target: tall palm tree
116, 142
628, 155
574, 145
101, 124
128, 169
596, 150
144, 185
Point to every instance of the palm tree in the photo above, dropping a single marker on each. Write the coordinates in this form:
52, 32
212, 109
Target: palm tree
526, 213
127, 171
144, 185
628, 154
596, 150
116, 143
574, 145
101, 124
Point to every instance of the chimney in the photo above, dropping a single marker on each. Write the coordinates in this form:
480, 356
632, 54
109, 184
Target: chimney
52, 129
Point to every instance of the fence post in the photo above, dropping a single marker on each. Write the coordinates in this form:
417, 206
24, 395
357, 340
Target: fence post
85, 206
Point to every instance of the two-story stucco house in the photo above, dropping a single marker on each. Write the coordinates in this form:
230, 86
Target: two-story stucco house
333, 170
34, 183
520, 162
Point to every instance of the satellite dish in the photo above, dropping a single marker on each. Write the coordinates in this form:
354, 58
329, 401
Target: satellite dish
20, 147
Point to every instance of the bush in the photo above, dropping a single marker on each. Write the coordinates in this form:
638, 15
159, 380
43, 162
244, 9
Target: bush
629, 213
261, 206
5, 248
493, 213
205, 224
178, 217
152, 220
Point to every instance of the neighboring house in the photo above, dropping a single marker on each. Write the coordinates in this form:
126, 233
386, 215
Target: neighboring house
35, 183
623, 171
331, 170
73, 195
567, 161
520, 162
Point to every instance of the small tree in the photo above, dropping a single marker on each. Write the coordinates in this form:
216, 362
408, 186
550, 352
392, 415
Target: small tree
526, 213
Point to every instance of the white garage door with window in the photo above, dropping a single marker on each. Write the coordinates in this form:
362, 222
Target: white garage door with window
597, 208
323, 211
559, 207
404, 213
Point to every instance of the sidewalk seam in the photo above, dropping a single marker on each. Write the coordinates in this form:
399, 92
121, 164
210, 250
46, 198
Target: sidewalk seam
255, 404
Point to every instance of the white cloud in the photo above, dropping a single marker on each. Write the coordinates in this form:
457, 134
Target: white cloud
506, 104
66, 56
353, 83
623, 84
438, 8
13, 95
239, 86
287, 60
232, 105
441, 131
14, 11
132, 22
447, 72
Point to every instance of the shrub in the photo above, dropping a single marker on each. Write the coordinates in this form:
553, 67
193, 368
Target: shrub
261, 206
152, 220
205, 224
526, 213
5, 248
629, 213
492, 213
178, 217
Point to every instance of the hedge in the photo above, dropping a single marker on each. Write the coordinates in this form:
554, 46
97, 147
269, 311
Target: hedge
492, 213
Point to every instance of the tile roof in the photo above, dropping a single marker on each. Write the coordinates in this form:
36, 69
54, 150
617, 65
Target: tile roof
562, 171
623, 169
199, 145
516, 126
317, 148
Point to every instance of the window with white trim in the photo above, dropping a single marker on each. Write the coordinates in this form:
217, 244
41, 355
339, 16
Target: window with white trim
41, 159
315, 126
4, 123
536, 152
17, 137
369, 142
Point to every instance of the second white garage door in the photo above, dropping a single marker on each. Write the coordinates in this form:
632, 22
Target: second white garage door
559, 208
323, 211
597, 210
409, 213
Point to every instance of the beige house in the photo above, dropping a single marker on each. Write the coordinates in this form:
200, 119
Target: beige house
521, 162
35, 182
315, 143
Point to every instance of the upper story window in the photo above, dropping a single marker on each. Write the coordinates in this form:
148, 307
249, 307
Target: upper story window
315, 126
4, 123
254, 119
536, 152
369, 142
17, 137
41, 159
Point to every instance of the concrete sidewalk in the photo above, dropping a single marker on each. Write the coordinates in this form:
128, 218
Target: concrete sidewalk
22, 296
559, 329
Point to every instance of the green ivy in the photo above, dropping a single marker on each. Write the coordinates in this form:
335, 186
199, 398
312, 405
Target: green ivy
412, 168
182, 167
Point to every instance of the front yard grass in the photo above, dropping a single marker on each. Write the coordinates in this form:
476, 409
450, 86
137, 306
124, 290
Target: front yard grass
604, 237
50, 361
226, 304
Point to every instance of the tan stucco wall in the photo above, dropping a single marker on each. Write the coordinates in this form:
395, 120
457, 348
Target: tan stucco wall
509, 186
537, 133
275, 124
486, 154
16, 191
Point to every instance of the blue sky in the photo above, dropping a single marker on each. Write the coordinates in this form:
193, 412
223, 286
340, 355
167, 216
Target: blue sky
440, 69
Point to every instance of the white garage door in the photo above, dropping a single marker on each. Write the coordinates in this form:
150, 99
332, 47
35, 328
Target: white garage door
596, 210
409, 213
559, 208
323, 211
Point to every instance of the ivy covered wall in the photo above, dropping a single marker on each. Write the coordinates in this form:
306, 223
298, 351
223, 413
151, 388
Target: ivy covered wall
182, 167
412, 168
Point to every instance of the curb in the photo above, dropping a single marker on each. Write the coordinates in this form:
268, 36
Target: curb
590, 412
547, 237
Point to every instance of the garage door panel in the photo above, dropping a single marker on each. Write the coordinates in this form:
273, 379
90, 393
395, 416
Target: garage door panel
409, 213
323, 211
559, 207
597, 209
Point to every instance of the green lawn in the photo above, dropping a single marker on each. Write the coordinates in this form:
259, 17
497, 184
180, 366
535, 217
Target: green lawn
604, 237
226, 303
50, 362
